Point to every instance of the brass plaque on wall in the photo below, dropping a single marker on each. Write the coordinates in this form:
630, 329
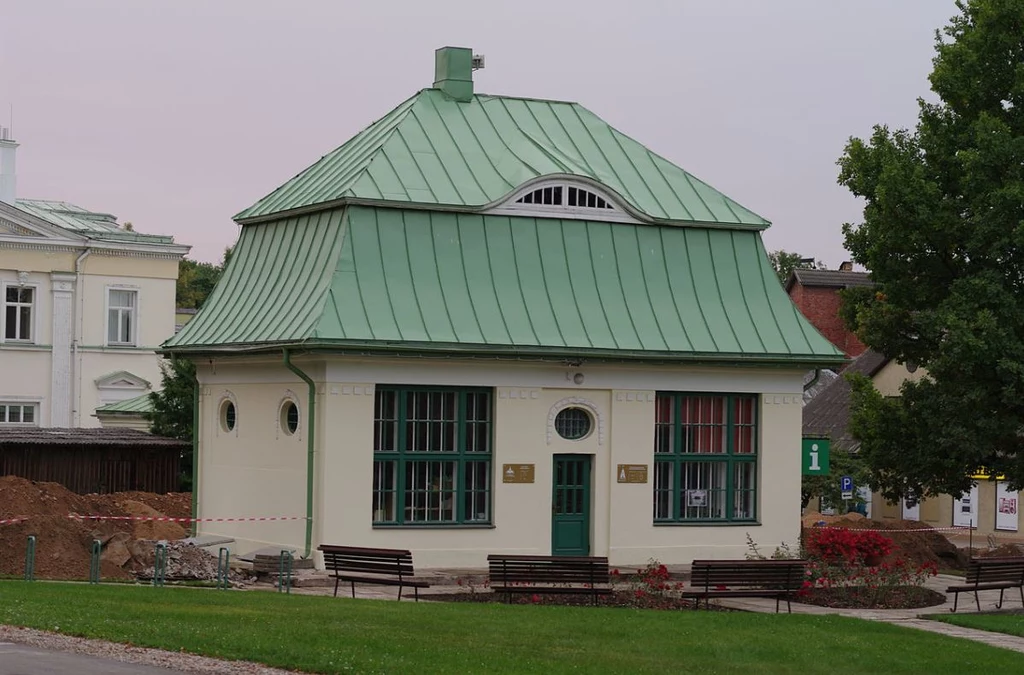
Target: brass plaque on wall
517, 473
632, 473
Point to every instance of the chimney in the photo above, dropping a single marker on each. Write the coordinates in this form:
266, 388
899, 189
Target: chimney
453, 72
8, 174
846, 266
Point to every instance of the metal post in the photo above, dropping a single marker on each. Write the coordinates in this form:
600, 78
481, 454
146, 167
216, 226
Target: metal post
160, 564
222, 567
970, 537
284, 572
94, 562
30, 558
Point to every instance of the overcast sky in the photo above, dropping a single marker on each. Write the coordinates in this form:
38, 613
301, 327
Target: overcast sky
177, 115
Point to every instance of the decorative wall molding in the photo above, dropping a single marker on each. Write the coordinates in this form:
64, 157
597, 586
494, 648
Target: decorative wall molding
61, 367
518, 393
576, 402
634, 396
781, 399
352, 389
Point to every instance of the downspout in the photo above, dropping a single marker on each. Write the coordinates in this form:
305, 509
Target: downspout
814, 380
310, 445
79, 323
195, 456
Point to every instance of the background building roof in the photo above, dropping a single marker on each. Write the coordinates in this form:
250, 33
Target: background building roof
88, 223
829, 278
99, 436
132, 406
827, 415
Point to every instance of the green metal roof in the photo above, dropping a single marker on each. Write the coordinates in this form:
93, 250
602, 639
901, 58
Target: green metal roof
436, 151
136, 406
89, 223
381, 278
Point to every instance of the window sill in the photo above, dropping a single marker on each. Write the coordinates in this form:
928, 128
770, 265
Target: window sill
710, 523
29, 346
433, 526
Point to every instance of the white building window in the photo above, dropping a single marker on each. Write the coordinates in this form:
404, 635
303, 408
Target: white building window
565, 195
19, 302
18, 413
122, 317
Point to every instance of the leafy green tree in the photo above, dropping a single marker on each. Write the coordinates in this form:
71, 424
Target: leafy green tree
943, 236
172, 409
784, 262
196, 280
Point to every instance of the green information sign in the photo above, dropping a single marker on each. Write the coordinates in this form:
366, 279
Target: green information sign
815, 456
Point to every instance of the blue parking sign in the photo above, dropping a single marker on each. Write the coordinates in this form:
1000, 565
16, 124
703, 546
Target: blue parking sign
846, 483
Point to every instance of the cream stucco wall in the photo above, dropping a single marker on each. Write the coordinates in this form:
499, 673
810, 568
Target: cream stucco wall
258, 471
30, 372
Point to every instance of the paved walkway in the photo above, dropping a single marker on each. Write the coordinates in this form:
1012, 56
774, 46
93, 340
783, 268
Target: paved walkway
911, 618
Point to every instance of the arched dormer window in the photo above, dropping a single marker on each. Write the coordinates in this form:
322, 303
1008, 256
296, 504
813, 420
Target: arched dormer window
563, 198
565, 195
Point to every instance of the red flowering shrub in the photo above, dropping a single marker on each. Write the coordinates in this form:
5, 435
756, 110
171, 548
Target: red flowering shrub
652, 586
843, 545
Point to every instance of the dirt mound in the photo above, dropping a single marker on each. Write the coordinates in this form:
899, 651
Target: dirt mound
1002, 551
63, 544
914, 540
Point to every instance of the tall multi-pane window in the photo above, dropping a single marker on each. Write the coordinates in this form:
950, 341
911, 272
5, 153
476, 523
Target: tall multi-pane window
121, 317
432, 456
705, 458
17, 318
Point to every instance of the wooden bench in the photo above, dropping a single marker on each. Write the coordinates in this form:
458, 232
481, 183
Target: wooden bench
986, 574
779, 579
383, 566
580, 575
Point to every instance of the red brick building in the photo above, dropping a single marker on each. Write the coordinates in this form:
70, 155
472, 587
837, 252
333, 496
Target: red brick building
816, 295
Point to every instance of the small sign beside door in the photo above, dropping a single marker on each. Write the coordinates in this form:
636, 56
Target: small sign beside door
517, 473
632, 473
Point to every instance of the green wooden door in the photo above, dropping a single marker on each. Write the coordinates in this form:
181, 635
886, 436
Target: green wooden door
570, 506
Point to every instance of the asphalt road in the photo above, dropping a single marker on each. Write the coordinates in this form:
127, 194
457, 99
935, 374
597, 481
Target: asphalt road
18, 659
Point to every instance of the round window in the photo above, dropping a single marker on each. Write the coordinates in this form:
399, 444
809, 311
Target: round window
573, 423
227, 415
289, 417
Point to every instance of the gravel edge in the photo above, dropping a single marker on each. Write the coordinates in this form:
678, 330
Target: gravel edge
178, 661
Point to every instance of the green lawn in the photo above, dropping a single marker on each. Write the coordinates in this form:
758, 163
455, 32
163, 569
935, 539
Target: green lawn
997, 622
329, 635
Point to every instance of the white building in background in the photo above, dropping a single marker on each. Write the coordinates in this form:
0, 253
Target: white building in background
83, 304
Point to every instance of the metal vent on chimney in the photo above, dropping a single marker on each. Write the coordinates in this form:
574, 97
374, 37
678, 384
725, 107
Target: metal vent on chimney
478, 61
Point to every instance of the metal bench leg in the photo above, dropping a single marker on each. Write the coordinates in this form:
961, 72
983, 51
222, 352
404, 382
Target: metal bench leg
1000, 605
1021, 589
956, 596
416, 592
777, 598
399, 592
977, 601
336, 580
353, 589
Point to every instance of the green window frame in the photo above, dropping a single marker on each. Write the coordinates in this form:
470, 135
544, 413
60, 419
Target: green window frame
432, 456
705, 458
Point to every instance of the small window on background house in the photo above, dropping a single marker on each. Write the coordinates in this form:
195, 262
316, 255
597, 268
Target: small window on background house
18, 413
121, 317
17, 317
289, 417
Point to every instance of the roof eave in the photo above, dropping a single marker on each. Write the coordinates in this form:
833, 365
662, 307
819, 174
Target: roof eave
450, 350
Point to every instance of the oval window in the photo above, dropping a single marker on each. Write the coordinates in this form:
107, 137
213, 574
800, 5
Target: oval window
573, 423
289, 417
227, 415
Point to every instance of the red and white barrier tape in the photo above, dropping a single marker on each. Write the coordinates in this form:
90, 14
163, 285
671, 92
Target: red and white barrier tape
75, 516
955, 528
11, 521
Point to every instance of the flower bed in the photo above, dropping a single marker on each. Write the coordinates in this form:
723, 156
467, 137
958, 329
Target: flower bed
859, 569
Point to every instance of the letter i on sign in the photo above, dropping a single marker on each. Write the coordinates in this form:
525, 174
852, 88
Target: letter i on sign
814, 458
